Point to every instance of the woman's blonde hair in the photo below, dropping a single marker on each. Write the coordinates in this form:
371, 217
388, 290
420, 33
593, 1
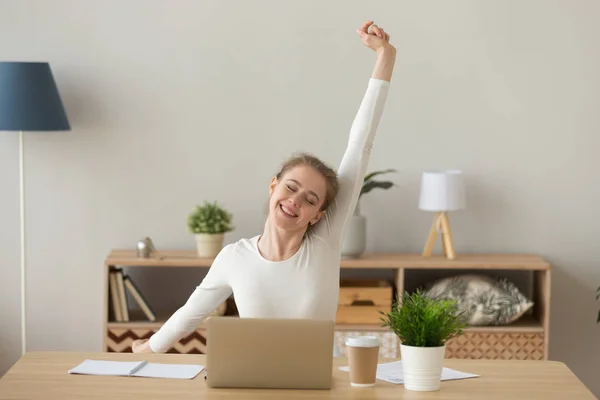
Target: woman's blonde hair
331, 180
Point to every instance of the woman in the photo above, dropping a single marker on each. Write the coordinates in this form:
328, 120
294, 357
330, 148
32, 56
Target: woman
292, 269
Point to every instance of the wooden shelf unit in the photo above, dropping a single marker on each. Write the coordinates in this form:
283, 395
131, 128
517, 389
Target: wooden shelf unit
527, 338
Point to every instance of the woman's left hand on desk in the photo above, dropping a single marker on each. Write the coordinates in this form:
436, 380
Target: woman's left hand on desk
141, 346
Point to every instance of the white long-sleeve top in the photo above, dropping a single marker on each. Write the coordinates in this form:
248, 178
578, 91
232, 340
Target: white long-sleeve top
305, 285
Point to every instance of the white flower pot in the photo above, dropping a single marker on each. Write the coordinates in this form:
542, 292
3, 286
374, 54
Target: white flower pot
355, 237
209, 245
422, 367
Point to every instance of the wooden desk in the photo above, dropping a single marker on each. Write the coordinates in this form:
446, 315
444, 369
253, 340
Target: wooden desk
43, 375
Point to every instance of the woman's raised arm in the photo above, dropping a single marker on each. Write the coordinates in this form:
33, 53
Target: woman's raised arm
354, 163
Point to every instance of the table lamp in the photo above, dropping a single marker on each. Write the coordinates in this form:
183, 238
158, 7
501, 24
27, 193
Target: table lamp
29, 101
441, 192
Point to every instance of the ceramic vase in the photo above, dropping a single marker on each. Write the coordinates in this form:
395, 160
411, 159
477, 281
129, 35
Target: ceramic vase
209, 245
355, 237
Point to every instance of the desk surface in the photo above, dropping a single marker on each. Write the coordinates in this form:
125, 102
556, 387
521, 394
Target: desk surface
44, 375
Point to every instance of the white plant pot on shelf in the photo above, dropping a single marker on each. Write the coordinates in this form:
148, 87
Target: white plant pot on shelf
354, 242
422, 367
209, 244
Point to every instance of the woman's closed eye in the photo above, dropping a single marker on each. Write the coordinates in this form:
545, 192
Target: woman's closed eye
310, 201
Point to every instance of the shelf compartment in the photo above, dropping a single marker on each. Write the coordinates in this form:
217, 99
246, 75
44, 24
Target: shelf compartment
526, 324
527, 338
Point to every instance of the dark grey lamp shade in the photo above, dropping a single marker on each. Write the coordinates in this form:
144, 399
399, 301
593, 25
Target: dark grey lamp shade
29, 98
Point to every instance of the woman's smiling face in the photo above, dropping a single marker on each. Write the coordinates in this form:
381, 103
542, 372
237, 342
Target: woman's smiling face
296, 199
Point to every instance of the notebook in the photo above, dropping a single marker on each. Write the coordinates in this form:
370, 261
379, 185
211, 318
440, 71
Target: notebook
142, 369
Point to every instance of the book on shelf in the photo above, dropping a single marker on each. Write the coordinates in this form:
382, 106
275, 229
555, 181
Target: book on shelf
120, 284
114, 296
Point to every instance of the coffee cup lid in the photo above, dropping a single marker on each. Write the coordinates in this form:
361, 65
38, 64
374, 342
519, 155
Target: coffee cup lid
362, 341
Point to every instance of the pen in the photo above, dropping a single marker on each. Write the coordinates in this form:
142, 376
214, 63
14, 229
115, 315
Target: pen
138, 367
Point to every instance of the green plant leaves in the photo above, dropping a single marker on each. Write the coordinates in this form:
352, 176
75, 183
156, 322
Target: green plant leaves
370, 184
367, 187
373, 174
209, 218
421, 321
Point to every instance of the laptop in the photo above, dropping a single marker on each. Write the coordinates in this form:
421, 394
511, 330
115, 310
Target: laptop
269, 353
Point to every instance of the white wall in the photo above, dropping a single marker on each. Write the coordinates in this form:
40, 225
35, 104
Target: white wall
176, 102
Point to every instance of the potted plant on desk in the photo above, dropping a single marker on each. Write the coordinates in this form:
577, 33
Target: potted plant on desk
209, 223
423, 326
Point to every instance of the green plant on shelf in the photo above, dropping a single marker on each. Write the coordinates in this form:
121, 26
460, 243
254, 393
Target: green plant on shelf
210, 218
421, 321
369, 183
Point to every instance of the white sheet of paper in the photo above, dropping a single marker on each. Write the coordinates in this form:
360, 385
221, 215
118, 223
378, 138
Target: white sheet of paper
101, 367
392, 373
137, 368
173, 371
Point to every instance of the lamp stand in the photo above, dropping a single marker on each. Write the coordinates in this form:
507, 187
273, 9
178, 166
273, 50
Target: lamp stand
440, 224
29, 101
23, 255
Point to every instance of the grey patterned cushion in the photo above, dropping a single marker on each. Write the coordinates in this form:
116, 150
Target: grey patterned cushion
485, 301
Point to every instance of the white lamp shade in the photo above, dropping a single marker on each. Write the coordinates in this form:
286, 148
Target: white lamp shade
442, 191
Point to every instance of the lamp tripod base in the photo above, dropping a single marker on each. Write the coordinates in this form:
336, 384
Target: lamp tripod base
440, 224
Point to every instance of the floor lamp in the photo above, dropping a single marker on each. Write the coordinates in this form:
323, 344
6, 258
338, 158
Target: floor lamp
441, 192
29, 101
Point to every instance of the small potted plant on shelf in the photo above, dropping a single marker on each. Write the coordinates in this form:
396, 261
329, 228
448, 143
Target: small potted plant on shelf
355, 238
423, 325
209, 223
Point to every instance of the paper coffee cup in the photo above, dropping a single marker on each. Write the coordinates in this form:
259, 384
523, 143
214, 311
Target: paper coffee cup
363, 354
